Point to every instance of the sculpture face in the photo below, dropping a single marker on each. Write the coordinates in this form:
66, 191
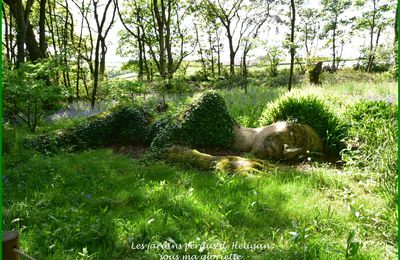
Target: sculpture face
281, 140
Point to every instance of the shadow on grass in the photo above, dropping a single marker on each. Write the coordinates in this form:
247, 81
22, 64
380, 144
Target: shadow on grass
105, 202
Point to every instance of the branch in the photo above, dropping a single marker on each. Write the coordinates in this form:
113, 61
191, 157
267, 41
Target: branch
123, 22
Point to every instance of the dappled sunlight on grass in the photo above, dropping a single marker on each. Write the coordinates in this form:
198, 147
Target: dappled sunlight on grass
106, 202
65, 203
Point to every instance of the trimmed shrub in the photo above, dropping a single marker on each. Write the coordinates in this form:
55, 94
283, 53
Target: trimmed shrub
311, 111
121, 125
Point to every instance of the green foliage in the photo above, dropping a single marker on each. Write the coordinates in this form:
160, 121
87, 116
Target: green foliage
352, 246
174, 86
123, 90
28, 92
271, 61
246, 109
205, 122
374, 128
235, 81
121, 125
312, 111
280, 80
12, 141
349, 76
384, 58
99, 203
159, 125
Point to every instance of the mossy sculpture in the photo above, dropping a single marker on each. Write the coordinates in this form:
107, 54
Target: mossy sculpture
207, 123
313, 112
282, 140
204, 123
203, 161
121, 125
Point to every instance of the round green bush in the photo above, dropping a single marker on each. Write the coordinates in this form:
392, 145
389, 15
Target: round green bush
311, 111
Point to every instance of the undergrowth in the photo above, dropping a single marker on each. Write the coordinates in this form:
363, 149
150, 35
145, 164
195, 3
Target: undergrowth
98, 204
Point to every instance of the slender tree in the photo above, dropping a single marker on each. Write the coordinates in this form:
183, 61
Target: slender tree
236, 17
102, 29
134, 17
335, 20
375, 17
308, 28
292, 45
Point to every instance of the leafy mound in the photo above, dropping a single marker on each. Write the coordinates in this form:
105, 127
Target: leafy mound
205, 122
121, 125
311, 111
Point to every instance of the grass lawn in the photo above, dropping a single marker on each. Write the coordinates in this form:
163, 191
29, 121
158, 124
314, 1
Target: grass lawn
99, 204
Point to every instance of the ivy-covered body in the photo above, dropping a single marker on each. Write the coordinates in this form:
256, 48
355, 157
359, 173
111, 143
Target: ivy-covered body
204, 123
121, 125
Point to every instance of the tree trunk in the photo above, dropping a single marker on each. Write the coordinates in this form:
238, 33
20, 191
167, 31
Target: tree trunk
12, 47
25, 34
211, 55
232, 55
161, 40
203, 63
102, 69
371, 39
218, 55
140, 74
51, 29
146, 66
372, 57
32, 45
168, 43
292, 47
79, 58
245, 74
42, 27
334, 50
95, 73
396, 25
21, 31
6, 35
244, 66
